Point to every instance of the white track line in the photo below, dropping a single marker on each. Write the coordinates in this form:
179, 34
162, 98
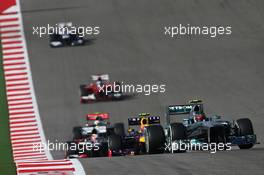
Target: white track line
25, 124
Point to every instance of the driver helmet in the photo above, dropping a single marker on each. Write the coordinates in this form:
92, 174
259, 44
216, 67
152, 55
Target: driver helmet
199, 117
196, 109
99, 82
130, 130
98, 120
94, 135
143, 123
198, 114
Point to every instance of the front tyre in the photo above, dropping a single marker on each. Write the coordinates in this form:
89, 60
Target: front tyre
119, 129
245, 127
177, 132
114, 143
154, 139
77, 133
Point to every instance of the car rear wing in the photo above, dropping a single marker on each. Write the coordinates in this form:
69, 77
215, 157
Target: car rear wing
177, 110
137, 120
104, 77
94, 116
64, 24
182, 109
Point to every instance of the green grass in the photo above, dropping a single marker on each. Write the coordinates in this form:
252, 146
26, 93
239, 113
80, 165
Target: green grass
7, 165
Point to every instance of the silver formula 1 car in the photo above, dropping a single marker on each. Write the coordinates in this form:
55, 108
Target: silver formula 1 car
197, 128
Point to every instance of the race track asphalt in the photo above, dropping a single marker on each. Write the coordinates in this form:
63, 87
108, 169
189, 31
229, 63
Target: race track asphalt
226, 72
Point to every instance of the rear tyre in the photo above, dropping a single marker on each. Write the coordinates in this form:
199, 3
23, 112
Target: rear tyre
177, 132
103, 150
245, 127
247, 146
70, 152
154, 139
77, 132
119, 129
83, 91
114, 142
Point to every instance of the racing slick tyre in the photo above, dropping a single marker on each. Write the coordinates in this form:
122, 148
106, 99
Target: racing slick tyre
103, 150
114, 142
177, 132
119, 129
83, 91
69, 152
245, 127
77, 132
154, 139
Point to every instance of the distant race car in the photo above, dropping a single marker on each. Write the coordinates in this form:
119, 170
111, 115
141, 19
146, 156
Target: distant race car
100, 90
198, 128
96, 139
64, 37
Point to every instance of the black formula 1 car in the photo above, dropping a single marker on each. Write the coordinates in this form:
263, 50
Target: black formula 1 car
64, 37
198, 129
96, 139
100, 139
